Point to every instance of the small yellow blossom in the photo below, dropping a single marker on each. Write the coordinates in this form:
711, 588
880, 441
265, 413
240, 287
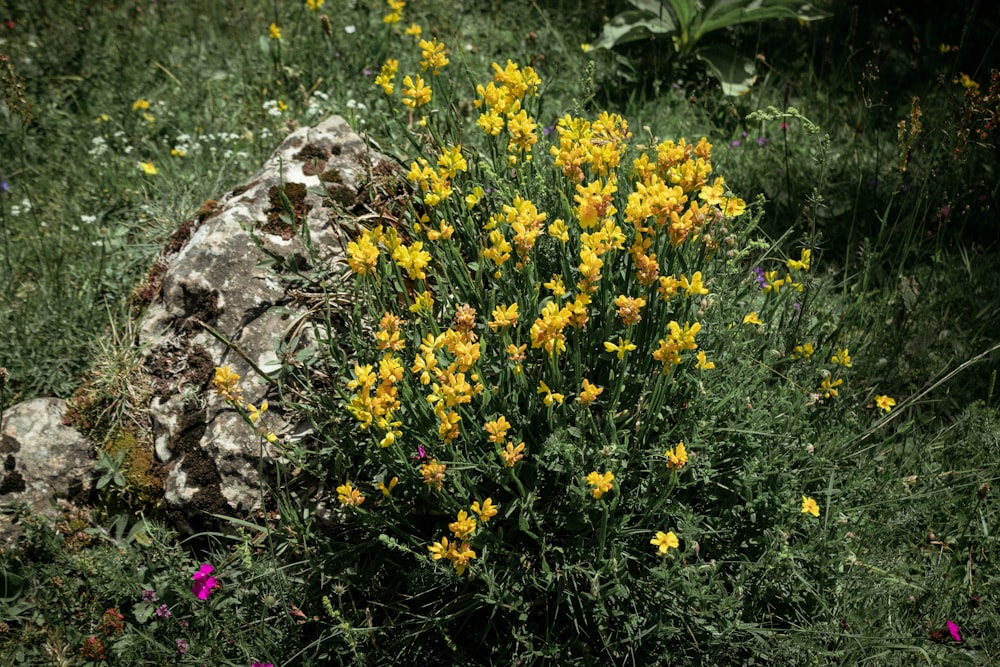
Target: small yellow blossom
349, 496
829, 387
273, 31
665, 541
140, 104
433, 474
148, 168
885, 402
414, 31
511, 454
676, 456
623, 347
703, 363
386, 489
801, 264
842, 357
601, 483
589, 393
416, 92
752, 318
463, 526
551, 397
809, 506
313, 5
485, 512
387, 74
227, 384
803, 351
504, 316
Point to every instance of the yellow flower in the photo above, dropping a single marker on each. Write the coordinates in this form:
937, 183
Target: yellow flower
497, 429
803, 351
829, 388
413, 31
665, 541
140, 103
694, 286
703, 362
601, 483
585, 47
253, 413
559, 230
273, 31
801, 264
313, 5
752, 318
433, 474
676, 456
621, 348
439, 549
841, 357
551, 397
885, 402
413, 258
628, 309
387, 74
511, 454
809, 506
463, 526
386, 489
433, 56
362, 255
485, 512
349, 496
416, 92
589, 393
227, 384
504, 316
148, 168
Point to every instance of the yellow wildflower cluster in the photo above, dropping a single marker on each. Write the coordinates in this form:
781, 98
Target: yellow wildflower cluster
433, 56
226, 383
435, 184
676, 456
387, 75
458, 550
376, 397
597, 146
503, 98
678, 340
446, 364
600, 484
349, 496
395, 14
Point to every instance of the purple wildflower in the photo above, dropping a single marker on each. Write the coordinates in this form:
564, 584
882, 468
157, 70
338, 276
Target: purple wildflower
953, 629
163, 611
148, 595
759, 277
203, 582
182, 646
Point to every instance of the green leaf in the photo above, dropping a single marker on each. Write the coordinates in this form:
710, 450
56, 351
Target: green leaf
727, 13
632, 26
734, 71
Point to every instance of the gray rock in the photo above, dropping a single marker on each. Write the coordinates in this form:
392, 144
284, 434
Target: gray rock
217, 280
43, 459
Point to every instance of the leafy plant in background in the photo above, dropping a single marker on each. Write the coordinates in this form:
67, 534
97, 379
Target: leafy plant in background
687, 23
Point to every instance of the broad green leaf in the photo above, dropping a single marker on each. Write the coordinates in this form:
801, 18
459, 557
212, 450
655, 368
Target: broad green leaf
727, 13
734, 71
632, 26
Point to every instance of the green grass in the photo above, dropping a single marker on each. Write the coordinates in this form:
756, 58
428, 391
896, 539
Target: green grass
905, 275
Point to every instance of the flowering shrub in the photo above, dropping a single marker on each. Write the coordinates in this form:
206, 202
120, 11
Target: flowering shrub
549, 443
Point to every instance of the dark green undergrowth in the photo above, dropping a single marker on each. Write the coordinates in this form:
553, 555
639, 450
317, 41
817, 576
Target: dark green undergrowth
860, 376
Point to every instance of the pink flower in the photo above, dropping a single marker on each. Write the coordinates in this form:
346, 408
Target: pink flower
261, 664
203, 583
953, 629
